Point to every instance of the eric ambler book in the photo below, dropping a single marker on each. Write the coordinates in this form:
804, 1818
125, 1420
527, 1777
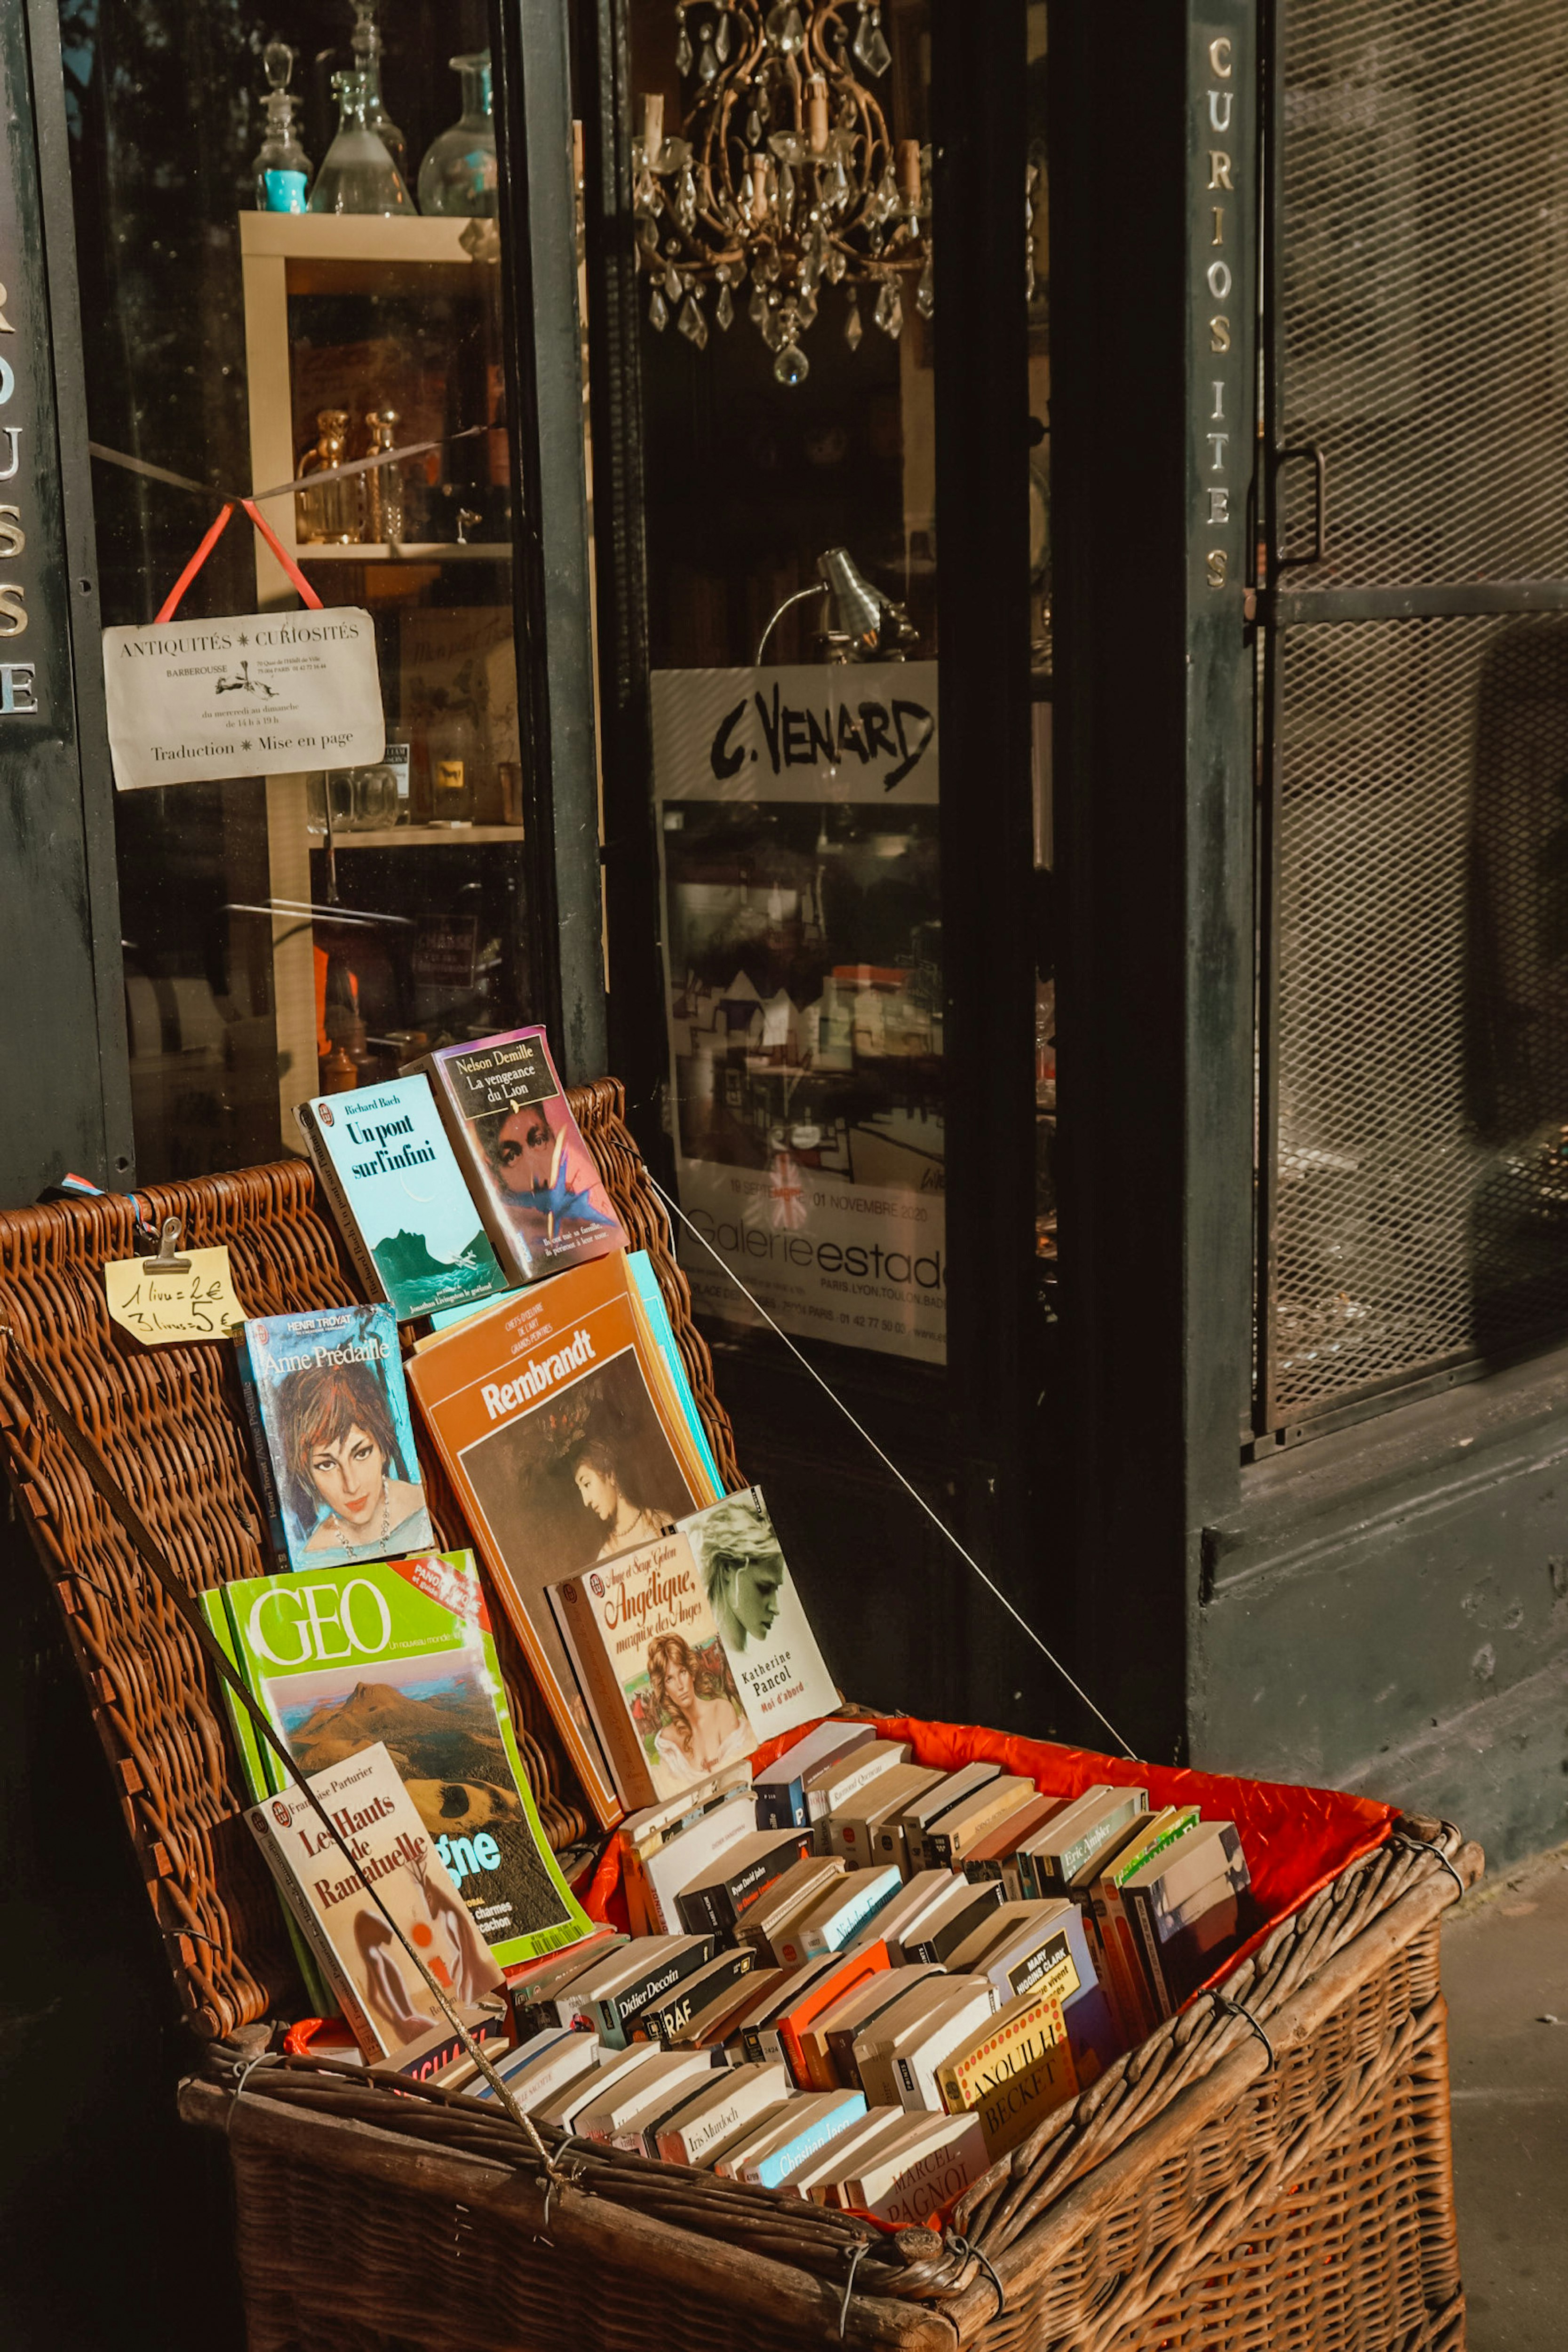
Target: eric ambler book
772, 1649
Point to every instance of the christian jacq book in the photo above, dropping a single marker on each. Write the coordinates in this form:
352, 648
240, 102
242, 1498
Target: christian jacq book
327, 1410
402, 1206
541, 1197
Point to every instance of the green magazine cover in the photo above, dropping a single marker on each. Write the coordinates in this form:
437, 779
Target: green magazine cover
401, 1651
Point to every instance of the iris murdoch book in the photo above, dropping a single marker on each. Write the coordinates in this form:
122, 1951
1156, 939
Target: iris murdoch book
401, 1652
408, 1217
541, 1197
327, 1410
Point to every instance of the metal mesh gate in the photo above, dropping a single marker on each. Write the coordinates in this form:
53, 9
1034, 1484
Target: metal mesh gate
1416, 1065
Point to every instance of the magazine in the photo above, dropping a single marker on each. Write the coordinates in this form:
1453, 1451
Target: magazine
555, 1417
401, 1652
328, 1409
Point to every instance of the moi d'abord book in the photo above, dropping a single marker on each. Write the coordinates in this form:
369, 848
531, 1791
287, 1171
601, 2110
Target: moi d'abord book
771, 1647
408, 1218
401, 1652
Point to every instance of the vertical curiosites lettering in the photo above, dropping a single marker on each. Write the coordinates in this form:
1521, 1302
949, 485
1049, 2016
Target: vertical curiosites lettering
1221, 464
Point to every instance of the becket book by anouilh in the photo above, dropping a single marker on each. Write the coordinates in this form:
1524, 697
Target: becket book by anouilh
543, 1200
651, 1665
552, 1417
401, 1652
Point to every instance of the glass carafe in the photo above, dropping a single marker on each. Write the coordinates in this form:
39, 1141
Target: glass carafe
357, 175
460, 172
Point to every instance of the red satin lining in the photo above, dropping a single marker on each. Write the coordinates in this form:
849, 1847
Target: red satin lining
1296, 1840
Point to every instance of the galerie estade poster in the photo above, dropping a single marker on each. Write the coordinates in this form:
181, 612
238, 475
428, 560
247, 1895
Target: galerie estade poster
798, 811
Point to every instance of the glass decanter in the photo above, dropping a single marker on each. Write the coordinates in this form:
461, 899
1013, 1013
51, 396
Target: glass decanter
384, 519
459, 173
282, 168
357, 175
366, 47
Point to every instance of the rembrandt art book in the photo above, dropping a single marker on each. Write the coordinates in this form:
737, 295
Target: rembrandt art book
541, 1197
401, 1206
401, 1652
385, 1997
328, 1411
551, 1415
641, 1637
771, 1647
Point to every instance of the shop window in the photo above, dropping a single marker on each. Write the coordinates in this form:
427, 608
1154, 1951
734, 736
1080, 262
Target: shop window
290, 932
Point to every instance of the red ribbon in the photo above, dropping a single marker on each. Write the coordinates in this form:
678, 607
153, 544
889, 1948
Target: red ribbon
171, 603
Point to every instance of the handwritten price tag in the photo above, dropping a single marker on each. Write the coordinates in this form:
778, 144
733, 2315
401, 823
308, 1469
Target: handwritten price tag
162, 1308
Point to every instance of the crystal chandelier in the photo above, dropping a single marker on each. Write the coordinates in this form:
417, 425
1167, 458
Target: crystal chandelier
785, 171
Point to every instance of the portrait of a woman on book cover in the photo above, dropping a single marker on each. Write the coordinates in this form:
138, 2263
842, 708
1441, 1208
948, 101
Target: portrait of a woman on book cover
352, 1496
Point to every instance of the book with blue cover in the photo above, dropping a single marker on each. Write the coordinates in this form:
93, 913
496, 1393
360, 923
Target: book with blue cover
416, 1238
328, 1409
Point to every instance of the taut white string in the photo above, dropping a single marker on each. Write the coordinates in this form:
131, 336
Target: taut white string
889, 1464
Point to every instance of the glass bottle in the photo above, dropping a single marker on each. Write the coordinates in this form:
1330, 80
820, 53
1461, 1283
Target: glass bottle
454, 752
383, 488
357, 175
374, 798
366, 45
282, 168
331, 513
460, 172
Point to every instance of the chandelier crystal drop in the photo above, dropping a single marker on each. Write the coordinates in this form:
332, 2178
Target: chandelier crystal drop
785, 171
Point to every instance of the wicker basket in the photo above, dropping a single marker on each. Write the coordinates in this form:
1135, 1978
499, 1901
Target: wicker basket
1270, 2170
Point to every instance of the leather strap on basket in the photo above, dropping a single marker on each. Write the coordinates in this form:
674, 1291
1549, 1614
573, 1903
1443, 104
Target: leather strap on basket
150, 1552
171, 603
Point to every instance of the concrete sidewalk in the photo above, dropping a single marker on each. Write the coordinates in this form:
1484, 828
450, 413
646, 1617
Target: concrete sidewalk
1505, 1972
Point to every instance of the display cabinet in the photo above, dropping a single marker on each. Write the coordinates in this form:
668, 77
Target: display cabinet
396, 892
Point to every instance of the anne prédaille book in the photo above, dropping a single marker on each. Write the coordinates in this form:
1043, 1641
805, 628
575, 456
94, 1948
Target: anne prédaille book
328, 1408
401, 1652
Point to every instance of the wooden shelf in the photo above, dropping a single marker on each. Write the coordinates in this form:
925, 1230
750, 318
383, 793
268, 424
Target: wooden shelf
420, 836
387, 238
435, 550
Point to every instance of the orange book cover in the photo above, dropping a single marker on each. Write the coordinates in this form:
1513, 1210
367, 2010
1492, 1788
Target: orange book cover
823, 1991
555, 1431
